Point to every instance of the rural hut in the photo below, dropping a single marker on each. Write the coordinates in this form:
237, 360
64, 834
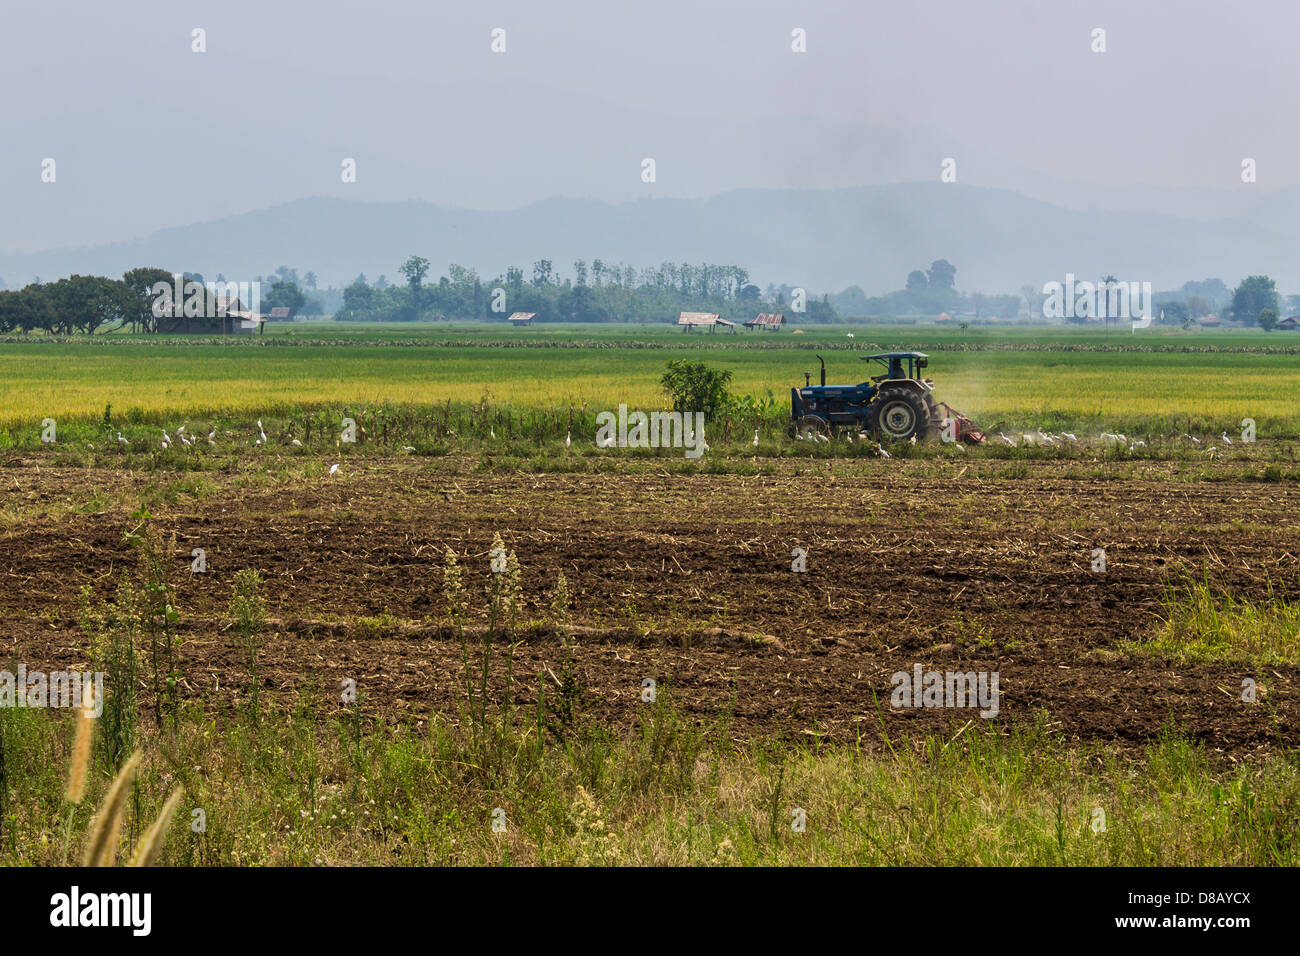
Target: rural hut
704, 320
220, 313
771, 321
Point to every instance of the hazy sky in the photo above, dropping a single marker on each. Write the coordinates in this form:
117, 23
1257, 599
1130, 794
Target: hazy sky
147, 134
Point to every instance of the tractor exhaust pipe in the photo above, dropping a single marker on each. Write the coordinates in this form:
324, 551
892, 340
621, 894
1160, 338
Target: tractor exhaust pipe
823, 361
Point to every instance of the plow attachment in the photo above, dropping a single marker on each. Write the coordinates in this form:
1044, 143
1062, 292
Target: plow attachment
966, 430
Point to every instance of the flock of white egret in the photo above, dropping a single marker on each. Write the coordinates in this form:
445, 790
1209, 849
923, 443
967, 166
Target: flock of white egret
1029, 439
188, 441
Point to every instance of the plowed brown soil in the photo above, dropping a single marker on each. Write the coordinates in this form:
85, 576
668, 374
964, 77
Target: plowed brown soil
687, 579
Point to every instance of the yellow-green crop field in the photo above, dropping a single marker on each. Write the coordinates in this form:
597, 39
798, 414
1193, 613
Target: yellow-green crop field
1154, 380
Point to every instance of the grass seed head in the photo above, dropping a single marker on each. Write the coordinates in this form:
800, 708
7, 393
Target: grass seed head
106, 828
453, 587
81, 745
151, 844
560, 601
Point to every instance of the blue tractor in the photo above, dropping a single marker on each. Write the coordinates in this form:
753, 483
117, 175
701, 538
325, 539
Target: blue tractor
895, 405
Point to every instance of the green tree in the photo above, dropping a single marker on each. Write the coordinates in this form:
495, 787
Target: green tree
1174, 313
942, 274
358, 301
85, 303
1103, 298
1253, 296
415, 269
543, 273
584, 306
461, 293
1211, 290
694, 387
285, 295
26, 309
1267, 319
140, 283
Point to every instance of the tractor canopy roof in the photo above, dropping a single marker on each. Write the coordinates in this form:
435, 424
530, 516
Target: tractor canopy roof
900, 364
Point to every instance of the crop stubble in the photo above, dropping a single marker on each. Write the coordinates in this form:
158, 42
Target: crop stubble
687, 579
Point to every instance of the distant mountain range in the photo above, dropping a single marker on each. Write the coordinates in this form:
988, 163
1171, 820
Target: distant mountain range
823, 240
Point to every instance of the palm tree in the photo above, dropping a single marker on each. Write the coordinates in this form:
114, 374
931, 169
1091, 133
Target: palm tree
1105, 285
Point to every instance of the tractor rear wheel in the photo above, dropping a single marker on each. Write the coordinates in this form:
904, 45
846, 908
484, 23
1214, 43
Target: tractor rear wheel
809, 427
898, 413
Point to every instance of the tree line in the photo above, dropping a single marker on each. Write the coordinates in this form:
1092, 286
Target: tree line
90, 304
1254, 302
928, 292
598, 291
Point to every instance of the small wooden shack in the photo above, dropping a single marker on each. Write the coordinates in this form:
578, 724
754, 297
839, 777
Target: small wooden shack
771, 321
704, 320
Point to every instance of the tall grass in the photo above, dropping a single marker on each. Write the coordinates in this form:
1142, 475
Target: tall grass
113, 631
247, 615
1202, 624
291, 792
